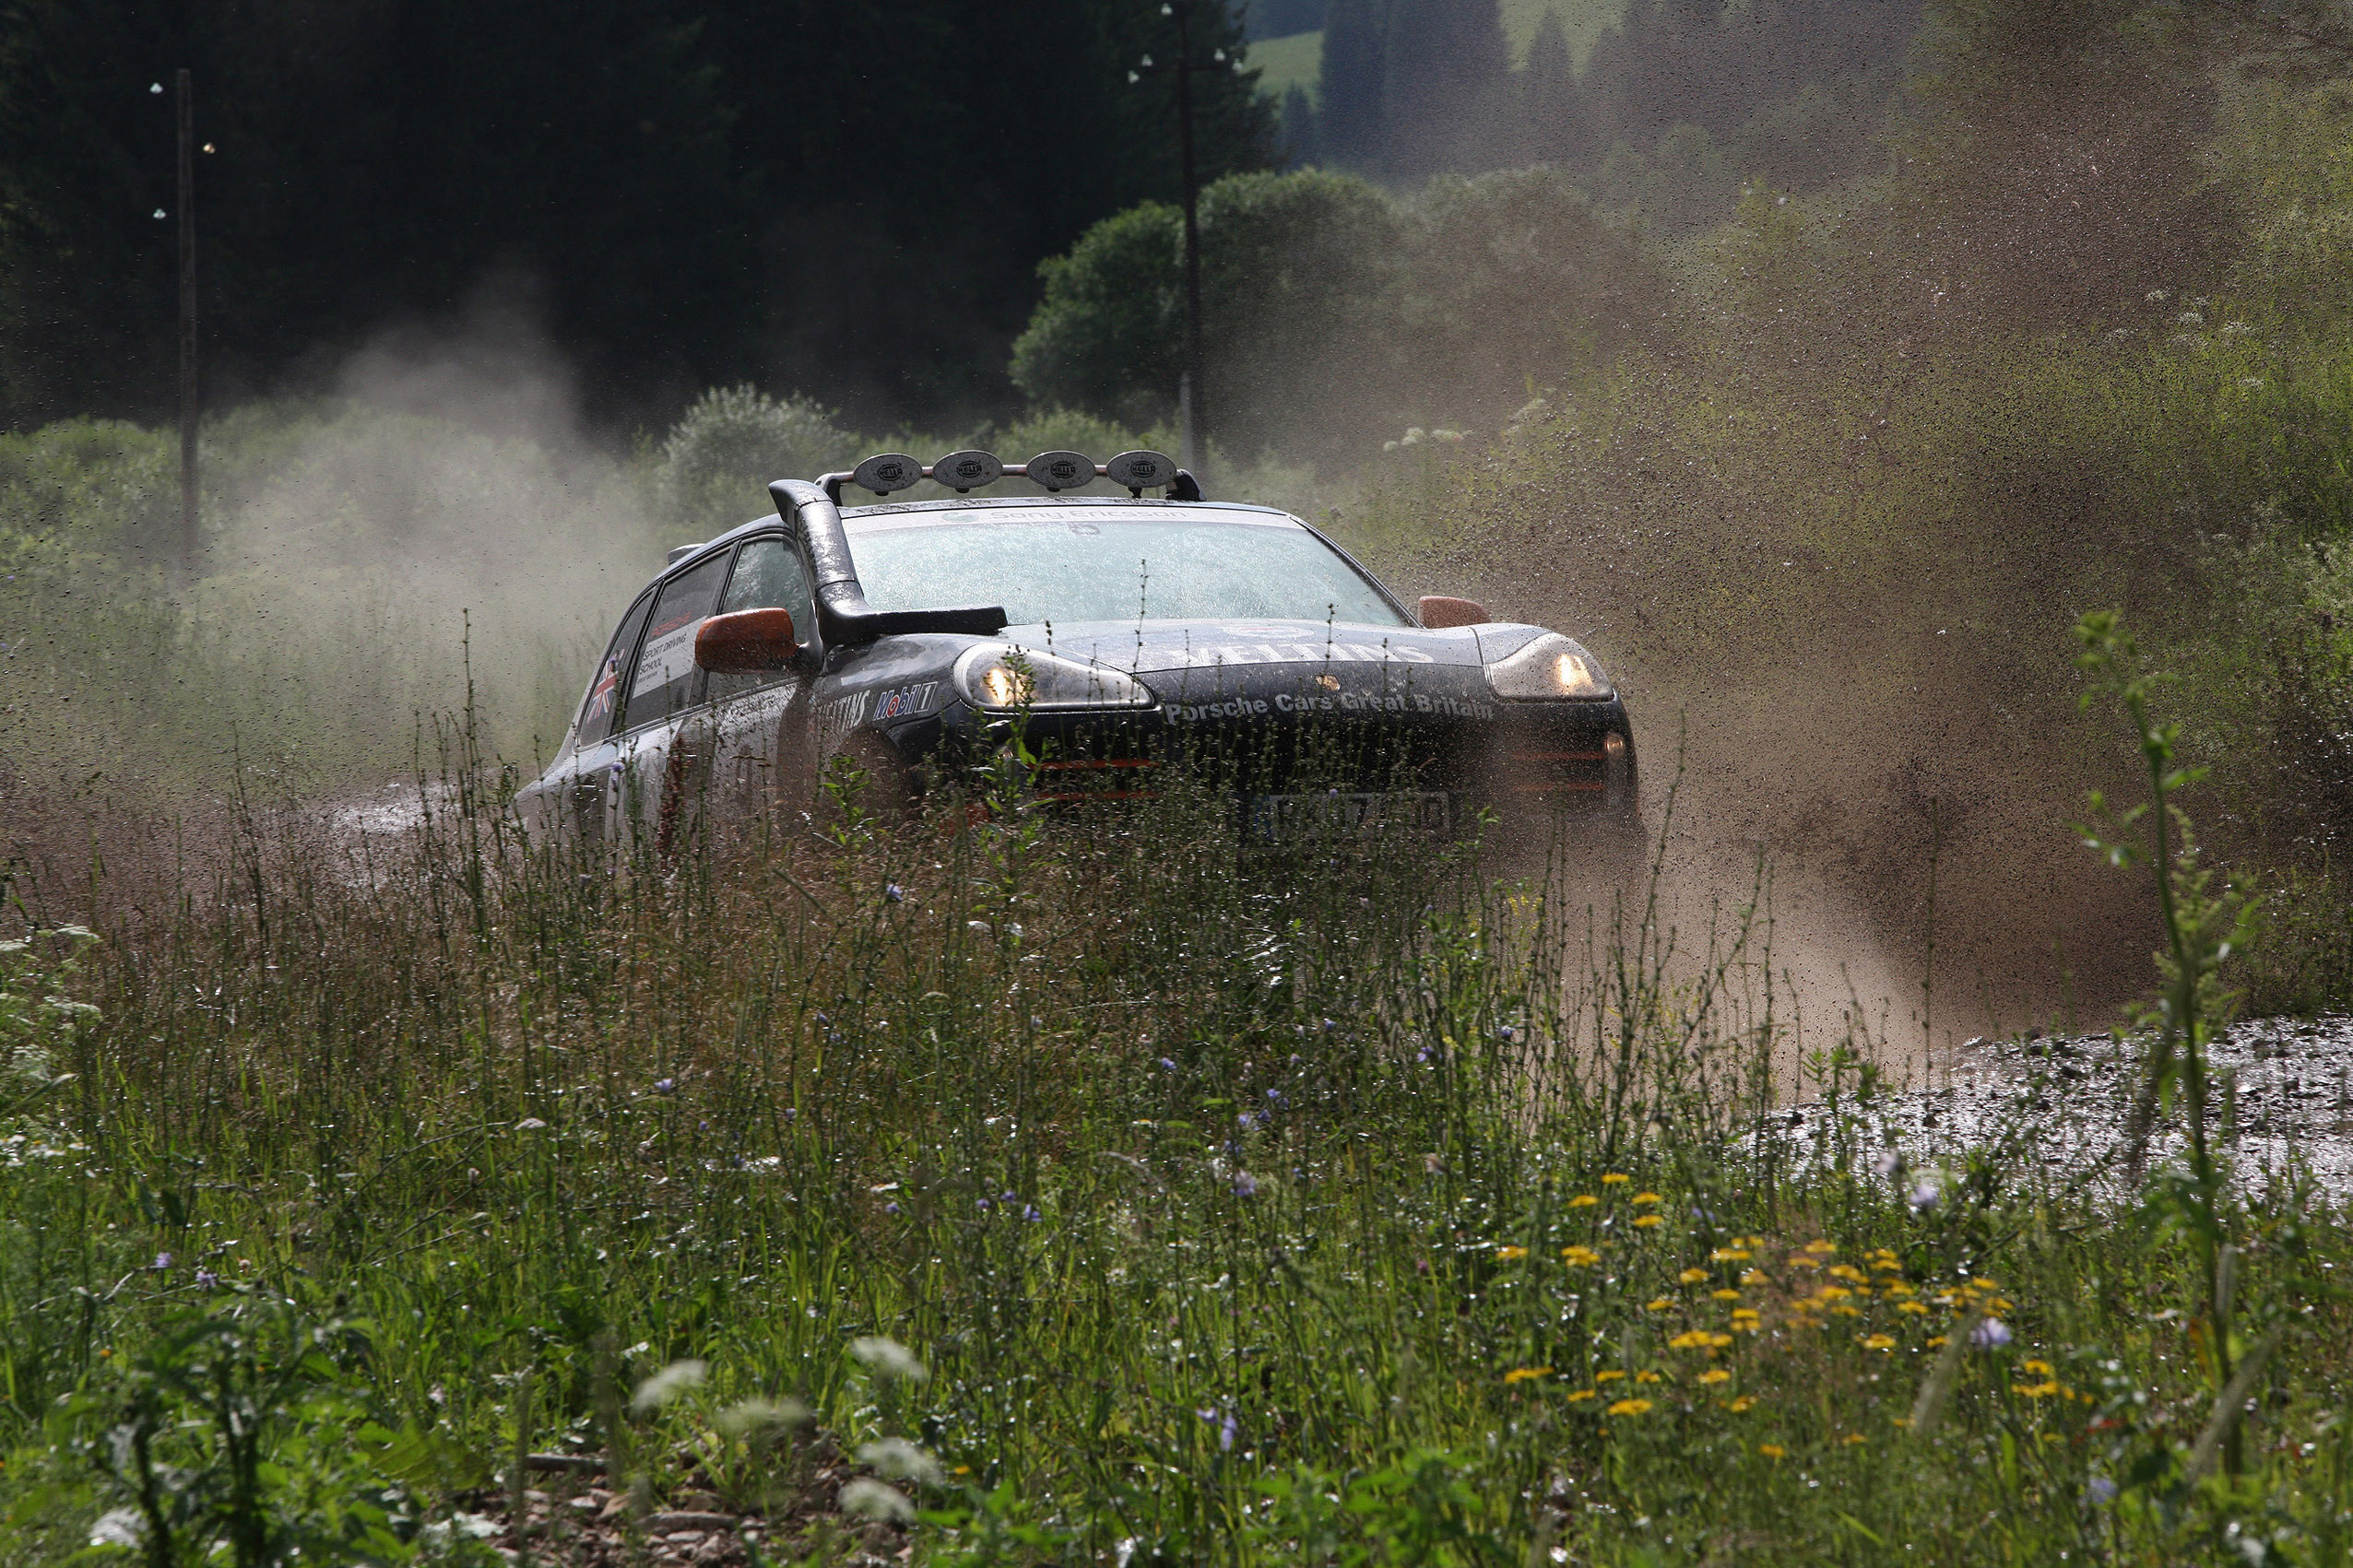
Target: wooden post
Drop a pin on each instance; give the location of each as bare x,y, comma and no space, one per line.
188,383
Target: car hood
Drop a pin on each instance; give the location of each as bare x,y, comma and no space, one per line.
1164,647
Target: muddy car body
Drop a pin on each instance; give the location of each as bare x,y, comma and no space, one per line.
1092,643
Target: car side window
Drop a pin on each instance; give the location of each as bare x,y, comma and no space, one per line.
665,679
768,575
603,704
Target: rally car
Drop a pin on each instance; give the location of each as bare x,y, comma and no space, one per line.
1097,647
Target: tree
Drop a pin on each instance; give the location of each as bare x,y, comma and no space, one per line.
1299,126
1552,117
1444,68
1350,121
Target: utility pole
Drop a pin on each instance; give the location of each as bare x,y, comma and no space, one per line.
188,384
1190,401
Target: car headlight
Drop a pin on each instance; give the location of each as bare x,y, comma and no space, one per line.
1000,678
1550,666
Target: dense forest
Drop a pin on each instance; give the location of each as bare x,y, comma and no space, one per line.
850,197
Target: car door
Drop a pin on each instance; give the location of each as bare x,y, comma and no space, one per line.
652,768
572,799
760,736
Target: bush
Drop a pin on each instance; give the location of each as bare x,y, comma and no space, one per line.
719,459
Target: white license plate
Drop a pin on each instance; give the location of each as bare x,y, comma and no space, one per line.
1282,817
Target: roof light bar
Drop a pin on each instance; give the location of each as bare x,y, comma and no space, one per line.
887,473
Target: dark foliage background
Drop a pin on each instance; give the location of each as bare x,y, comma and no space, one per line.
846,196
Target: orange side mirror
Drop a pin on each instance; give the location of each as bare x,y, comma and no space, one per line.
1439,611
747,641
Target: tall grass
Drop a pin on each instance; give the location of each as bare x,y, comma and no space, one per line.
1332,1206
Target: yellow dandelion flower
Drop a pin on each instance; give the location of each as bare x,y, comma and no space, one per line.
1915,1308
1806,1303
1849,1271
1894,1288
1799,1260
1644,1221
1888,1263
1772,1450
1630,1408
2001,1305
1845,1311
1580,1394
1724,1295
1731,1254
1880,1343
1658,1304
1695,1340
1745,1403
1984,1284
1616,1179
1718,1341
1648,1377
1646,1197
1607,1376
1753,1277
1832,1293
1853,1437
1715,1375
2035,1390
1691,1277
1822,1249
1525,1374
1510,1255
1580,1256
1583,1200
1934,1341
2033,1364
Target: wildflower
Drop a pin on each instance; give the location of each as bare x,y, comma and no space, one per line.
1657,1304
1630,1408
1936,1340
889,1358
1741,1406
871,1498
1772,1450
1894,1288
1730,1254
1511,1255
1167,1065
1642,1199
1753,1277
890,1208
1583,1200
1030,1213
1746,1321
1245,1185
1880,1343
2099,1489
1849,1271
1715,1375
1525,1374
666,1384
207,1278
1990,1335
1615,1178
900,1461
1724,1295
162,1261
529,1124
1821,1248
1917,1308
893,892
1799,1260
1647,1377
2035,1364
665,1085
1718,1341
1580,1256
1696,1340
2035,1390
1853,1437
1924,1196
1843,1310
1691,1276
1644,1221
1832,1293
1580,1394
1888,1163
1607,1376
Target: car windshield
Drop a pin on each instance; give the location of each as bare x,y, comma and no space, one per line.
1078,563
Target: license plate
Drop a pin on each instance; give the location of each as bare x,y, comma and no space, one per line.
1275,819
